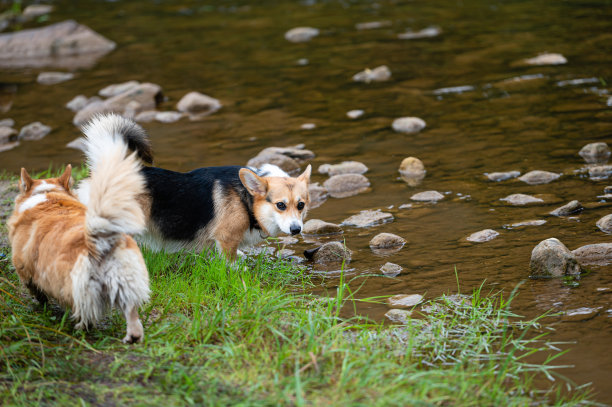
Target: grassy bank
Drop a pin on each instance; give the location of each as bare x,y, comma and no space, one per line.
245,334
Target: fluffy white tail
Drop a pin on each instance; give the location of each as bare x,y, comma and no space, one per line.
115,183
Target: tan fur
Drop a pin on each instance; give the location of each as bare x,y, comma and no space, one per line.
230,224
53,251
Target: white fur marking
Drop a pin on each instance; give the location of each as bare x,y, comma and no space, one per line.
32,202
44,187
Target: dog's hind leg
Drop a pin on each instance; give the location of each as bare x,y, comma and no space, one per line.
135,330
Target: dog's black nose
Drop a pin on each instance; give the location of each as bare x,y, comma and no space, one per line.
295,229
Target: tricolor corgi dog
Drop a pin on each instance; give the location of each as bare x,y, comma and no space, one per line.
83,255
227,207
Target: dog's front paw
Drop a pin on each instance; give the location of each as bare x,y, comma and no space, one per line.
130,339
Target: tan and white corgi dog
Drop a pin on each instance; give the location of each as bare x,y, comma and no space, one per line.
229,207
84,256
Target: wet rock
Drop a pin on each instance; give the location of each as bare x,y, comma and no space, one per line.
568,209
88,112
521,199
595,153
378,74
319,227
387,241
453,90
391,269
345,185
580,314
354,114
7,135
534,222
579,81
427,196
599,254
149,95
301,34
412,171
550,258
52,78
368,218
7,123
600,172
605,224
399,316
482,236
405,206
372,25
36,10
77,144
404,300
546,59
538,177
34,131
146,116
408,125
296,152
8,146
308,126
197,104
284,162
65,44
502,176
77,103
318,195
287,240
117,89
331,253
132,109
428,32
168,117
302,62
345,167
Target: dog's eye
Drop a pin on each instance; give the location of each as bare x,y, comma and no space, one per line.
281,206
301,206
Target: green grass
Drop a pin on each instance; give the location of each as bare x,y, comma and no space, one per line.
250,334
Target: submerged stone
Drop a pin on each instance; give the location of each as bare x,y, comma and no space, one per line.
399,316
600,172
404,300
391,269
332,252
482,236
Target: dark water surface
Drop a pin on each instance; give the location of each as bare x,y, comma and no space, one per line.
236,52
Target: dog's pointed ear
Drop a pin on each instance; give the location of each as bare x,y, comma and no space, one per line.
305,176
255,184
25,183
65,180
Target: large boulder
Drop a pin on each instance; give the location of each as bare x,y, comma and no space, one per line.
551,258
66,45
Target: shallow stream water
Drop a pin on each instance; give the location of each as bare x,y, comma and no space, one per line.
236,52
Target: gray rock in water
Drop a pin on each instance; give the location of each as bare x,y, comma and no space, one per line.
605,224
404,300
36,10
301,34
502,176
34,131
521,199
371,25
453,90
118,88
308,126
7,135
52,78
296,152
318,195
284,162
535,222
608,190
427,196
595,153
550,258
354,114
568,209
88,112
168,117
368,218
399,316
345,185
320,227
482,236
387,241
148,95
345,167
198,105
146,116
391,269
77,103
77,144
538,177
7,123
8,146
332,253
599,254
408,125
600,172
428,32
412,171
378,74
546,59
66,44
